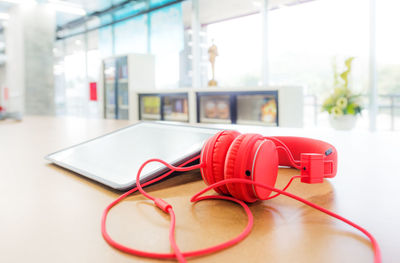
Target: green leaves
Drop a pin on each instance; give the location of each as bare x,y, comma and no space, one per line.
345,74
351,109
342,101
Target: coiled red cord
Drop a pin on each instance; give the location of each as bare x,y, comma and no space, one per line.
177,254
197,197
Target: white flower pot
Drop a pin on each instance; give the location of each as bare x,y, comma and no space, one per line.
343,122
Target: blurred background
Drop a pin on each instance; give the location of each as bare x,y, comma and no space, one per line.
150,59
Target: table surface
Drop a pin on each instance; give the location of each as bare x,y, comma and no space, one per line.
49,214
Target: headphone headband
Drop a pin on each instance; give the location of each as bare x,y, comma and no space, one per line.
317,159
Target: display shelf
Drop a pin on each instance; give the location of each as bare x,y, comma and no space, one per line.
260,108
266,106
169,106
176,118
228,106
149,116
210,120
259,123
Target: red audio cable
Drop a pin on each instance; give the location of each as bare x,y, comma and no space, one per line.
283,146
197,197
168,209
375,246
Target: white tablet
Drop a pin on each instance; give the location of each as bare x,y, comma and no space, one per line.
114,159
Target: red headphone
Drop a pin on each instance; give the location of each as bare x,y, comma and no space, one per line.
229,154
243,167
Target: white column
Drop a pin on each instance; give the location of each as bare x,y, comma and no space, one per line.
196,82
29,49
373,89
148,27
2,84
264,57
196,74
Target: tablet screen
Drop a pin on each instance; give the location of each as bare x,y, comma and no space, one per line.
114,159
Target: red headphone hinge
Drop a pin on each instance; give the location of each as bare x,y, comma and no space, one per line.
314,168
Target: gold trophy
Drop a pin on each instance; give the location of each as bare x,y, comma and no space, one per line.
212,54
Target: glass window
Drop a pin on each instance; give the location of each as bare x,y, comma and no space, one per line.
106,41
75,76
128,10
388,59
167,36
131,36
239,50
59,80
305,40
154,3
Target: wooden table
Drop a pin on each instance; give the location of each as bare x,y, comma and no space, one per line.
49,214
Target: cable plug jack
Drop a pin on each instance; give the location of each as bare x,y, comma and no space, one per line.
163,205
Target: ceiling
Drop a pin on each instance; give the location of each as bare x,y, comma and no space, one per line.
216,10
209,10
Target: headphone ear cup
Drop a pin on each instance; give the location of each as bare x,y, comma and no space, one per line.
230,162
265,167
213,155
238,165
254,158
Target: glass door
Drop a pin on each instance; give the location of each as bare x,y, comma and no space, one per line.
122,89
150,107
257,108
110,108
214,108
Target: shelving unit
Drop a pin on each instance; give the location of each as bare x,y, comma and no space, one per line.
164,106
243,107
121,76
129,80
267,106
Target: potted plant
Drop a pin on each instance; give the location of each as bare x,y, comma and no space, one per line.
342,105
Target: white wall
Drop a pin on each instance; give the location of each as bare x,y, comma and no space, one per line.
29,46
